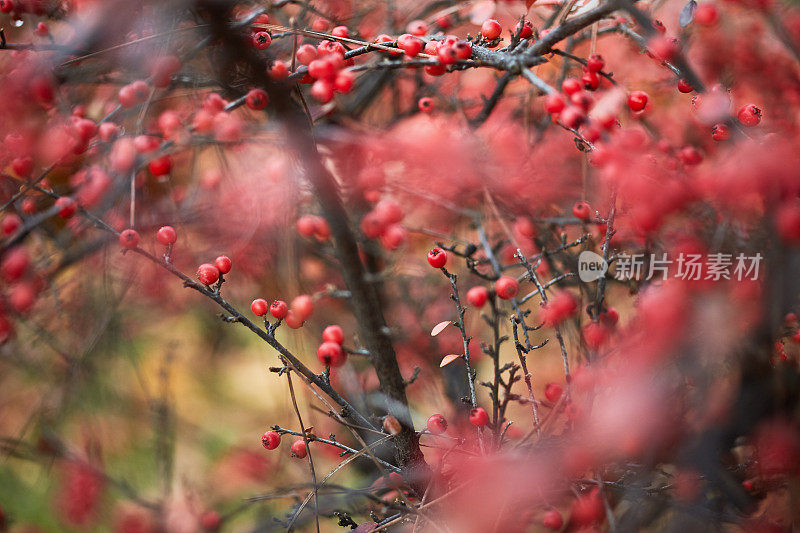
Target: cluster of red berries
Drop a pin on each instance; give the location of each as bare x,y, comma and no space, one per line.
326,69
383,222
447,51
570,108
272,439
23,287
313,226
294,315
209,274
330,353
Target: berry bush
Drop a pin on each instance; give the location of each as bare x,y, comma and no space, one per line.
510,266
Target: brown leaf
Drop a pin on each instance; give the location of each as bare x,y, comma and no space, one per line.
447,359
438,328
391,425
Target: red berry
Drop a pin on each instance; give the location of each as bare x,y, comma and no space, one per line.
320,25
66,207
167,235
663,48
582,100
425,104
299,449
29,206
478,296
552,520
748,485
22,166
293,320
410,45
163,69
582,210
333,333
750,115
435,70
344,81
207,273
684,86
303,307
437,424
223,264
478,417
22,297
463,49
210,521
437,258
160,166
523,226
526,30
331,354
506,287
340,31
306,225
108,131
10,224
129,239
259,307
610,317
133,93
306,54
332,48
446,54
322,91
279,309
552,391
322,69
262,40
279,70
554,103
257,99
571,86
595,63
15,263
270,439
572,117
689,156
417,27
720,132
6,6
706,14
637,100
394,237
491,29
595,335
590,80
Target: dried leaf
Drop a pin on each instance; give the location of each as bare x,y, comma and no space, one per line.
449,359
438,328
391,425
687,13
